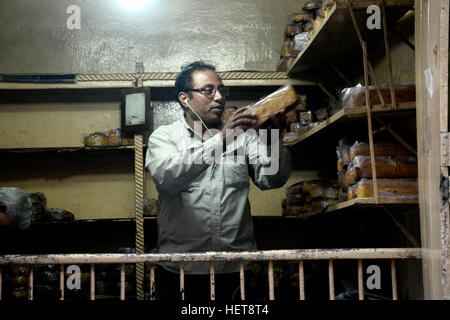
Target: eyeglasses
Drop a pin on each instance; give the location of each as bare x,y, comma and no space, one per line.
211,91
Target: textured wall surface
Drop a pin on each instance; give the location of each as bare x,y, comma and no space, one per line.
233,35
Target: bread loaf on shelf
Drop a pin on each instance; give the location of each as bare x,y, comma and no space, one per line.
386,167
356,96
387,188
380,149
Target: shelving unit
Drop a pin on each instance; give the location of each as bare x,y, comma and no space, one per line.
348,116
325,49
324,60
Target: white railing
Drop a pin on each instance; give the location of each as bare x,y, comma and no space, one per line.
358,255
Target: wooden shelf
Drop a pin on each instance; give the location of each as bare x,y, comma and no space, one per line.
67,149
347,115
160,80
360,203
336,42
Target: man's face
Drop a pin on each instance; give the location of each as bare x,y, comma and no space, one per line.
210,109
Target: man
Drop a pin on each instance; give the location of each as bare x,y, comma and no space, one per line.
203,196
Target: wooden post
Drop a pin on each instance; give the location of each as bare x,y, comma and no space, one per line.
388,54
213,287
242,280
61,282
331,279
271,282
394,280
369,126
31,283
92,282
152,282
182,280
122,281
301,279
360,280
431,42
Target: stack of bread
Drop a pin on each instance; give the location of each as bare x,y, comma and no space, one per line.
302,119
110,138
40,212
396,171
310,196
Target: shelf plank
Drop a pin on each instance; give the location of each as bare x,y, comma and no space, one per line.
359,203
326,46
66,149
78,85
347,114
162,80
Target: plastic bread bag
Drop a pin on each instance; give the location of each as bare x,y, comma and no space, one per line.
348,92
387,188
295,199
272,104
301,40
296,188
386,167
380,149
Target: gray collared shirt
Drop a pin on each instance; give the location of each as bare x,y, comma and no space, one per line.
203,205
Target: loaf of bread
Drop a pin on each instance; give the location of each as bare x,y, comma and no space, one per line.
114,137
291,116
342,195
340,168
295,200
387,188
387,167
281,99
293,29
356,96
380,149
127,141
296,188
284,63
321,114
314,206
96,139
306,117
302,16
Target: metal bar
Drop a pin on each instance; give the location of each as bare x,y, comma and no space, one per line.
337,102
301,279
92,282
1,283
61,282
405,41
348,83
369,125
182,280
403,229
31,283
355,24
122,281
388,54
152,282
375,82
242,280
396,136
360,280
212,280
300,254
271,286
331,279
394,280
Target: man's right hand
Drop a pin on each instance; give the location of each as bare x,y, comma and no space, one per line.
239,120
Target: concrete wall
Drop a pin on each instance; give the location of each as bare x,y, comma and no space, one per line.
233,35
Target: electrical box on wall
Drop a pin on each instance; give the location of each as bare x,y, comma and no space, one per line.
136,114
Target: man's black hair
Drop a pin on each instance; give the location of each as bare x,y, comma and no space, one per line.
184,81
